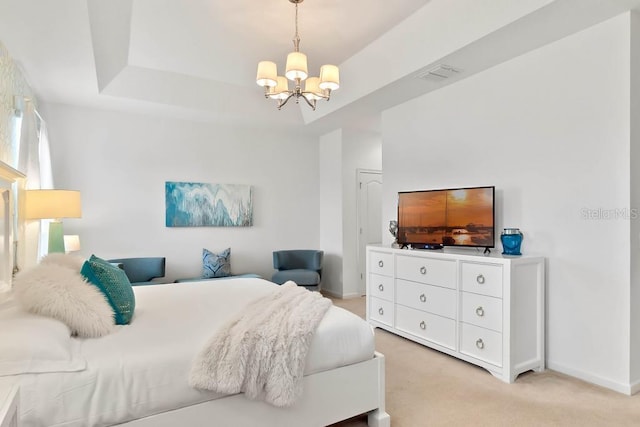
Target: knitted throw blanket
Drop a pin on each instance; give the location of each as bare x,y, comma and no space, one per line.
263,350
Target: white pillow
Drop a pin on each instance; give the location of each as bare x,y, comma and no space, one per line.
62,293
71,261
35,344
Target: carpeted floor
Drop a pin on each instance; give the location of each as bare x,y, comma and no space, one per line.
428,388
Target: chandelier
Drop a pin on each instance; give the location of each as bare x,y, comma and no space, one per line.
315,88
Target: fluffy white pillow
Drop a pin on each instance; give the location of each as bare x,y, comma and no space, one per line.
62,293
35,344
71,261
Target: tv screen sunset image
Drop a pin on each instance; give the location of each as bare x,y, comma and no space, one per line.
461,217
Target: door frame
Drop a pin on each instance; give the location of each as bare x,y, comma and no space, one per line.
361,273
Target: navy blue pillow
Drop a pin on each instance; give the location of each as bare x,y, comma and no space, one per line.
216,265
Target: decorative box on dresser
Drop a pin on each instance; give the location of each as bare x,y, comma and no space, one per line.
485,309
8,403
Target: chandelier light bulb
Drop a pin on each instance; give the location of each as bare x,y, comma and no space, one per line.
267,73
329,77
296,66
281,90
313,90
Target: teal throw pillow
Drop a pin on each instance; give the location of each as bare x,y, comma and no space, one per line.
216,265
114,284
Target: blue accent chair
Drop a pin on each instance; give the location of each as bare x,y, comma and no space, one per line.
303,266
142,271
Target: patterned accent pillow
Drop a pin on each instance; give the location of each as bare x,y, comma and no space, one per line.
114,284
216,265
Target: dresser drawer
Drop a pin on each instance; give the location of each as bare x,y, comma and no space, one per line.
484,279
381,263
481,343
381,287
381,310
437,329
481,310
434,299
427,270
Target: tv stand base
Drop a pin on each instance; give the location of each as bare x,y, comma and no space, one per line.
429,246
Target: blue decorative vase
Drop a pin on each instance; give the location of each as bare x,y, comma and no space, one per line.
511,239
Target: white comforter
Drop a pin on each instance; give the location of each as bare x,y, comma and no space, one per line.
142,369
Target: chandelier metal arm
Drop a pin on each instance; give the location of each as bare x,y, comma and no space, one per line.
326,96
282,102
311,104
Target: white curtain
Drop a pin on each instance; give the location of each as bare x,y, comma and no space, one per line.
46,174
35,161
46,181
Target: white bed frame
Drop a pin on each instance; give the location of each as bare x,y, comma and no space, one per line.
328,397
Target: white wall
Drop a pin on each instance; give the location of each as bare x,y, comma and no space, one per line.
330,160
635,202
360,150
342,153
120,163
550,129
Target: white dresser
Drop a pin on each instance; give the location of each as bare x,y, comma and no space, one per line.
484,309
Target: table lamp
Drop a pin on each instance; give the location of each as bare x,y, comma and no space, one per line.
54,205
71,243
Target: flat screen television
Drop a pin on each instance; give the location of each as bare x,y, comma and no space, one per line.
431,219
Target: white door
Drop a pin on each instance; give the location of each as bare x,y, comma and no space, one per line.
369,192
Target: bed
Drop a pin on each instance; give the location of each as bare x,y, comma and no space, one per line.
137,376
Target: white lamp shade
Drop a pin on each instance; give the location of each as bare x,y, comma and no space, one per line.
71,242
281,91
296,66
311,85
267,73
329,77
52,204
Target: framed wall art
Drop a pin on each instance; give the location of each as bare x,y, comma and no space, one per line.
194,204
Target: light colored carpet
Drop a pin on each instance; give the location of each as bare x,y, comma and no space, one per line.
428,388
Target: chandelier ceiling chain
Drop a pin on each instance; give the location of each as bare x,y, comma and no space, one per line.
277,87
296,37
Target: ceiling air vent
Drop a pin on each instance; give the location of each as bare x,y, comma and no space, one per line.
439,73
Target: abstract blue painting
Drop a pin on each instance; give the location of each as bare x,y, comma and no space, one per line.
192,204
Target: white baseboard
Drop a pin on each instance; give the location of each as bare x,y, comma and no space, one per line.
340,296
330,293
351,295
623,388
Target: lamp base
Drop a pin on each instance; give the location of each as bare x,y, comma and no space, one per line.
56,237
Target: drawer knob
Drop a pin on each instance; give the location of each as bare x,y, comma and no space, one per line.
480,343
423,270
380,311
480,279
423,325
423,298
380,264
381,287
480,311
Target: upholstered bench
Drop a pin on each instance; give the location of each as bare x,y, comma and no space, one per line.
237,276
142,271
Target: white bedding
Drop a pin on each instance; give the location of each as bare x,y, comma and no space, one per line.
142,369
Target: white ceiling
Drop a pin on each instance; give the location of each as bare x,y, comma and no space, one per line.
196,59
